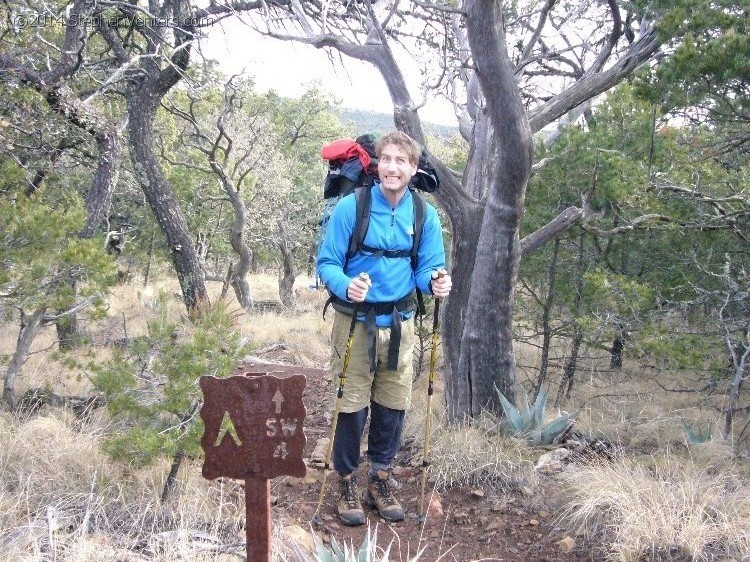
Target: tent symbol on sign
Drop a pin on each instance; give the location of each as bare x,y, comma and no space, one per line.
227,426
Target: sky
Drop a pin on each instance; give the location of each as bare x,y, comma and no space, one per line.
289,68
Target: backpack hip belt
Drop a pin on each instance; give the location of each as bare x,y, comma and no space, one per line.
371,312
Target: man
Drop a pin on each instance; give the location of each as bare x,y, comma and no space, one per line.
379,373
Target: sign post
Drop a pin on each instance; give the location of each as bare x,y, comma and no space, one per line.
253,432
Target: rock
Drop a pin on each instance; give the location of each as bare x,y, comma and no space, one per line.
477,493
302,538
460,516
534,522
552,460
310,478
496,525
566,544
544,513
21,538
435,505
403,472
321,450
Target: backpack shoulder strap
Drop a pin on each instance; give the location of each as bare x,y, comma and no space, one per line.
363,198
419,212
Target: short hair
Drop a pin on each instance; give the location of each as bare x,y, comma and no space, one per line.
404,142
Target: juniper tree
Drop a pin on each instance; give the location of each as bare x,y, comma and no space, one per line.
39,247
152,388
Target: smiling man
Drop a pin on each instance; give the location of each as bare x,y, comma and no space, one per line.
398,261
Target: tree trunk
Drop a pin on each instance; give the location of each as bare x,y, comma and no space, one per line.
733,392
142,101
30,327
615,352
97,200
150,257
486,210
486,362
68,330
174,470
239,270
286,270
568,374
546,313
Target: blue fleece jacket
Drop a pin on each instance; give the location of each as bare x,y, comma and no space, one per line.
389,229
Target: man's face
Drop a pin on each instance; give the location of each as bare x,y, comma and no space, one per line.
394,169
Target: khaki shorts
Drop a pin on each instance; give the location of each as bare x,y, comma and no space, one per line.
388,388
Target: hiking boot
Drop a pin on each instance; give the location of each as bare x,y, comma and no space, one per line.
350,510
379,496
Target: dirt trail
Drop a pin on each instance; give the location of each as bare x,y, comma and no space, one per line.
463,525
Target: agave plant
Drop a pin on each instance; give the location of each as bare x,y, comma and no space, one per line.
697,437
529,423
367,552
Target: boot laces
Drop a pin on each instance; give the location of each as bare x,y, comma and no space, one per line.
383,487
349,492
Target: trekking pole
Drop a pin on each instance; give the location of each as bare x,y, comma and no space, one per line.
430,390
316,520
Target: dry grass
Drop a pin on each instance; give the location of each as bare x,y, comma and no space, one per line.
633,406
667,507
60,497
131,307
466,455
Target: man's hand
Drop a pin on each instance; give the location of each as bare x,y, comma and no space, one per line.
440,284
358,287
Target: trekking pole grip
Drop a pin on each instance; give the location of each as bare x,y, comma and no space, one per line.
440,273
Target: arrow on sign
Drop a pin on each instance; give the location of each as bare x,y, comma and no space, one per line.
277,399
227,426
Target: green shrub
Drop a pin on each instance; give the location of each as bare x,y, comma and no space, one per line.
152,388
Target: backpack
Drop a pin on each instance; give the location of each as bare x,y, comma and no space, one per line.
353,164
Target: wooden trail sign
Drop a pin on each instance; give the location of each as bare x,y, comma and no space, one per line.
253,432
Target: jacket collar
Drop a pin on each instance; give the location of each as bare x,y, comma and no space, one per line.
382,198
